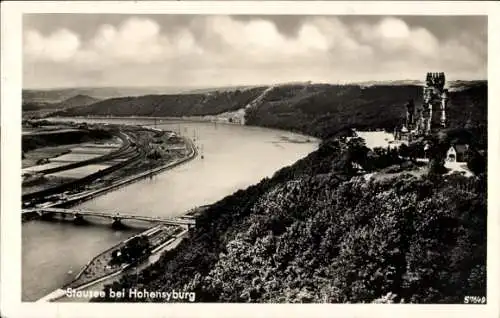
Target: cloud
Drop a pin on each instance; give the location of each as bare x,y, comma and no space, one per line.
61,45
225,50
137,40
260,42
393,36
392,28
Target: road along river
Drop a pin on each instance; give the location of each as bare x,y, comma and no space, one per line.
234,157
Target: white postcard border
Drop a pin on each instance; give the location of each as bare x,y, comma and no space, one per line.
11,63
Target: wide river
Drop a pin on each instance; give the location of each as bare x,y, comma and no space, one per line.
234,157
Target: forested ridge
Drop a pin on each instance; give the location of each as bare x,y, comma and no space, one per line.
169,105
318,232
321,110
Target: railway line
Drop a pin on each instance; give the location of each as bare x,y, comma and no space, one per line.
129,151
125,150
76,191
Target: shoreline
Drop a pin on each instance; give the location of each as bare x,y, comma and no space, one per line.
60,294
193,119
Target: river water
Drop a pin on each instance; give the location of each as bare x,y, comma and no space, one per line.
234,158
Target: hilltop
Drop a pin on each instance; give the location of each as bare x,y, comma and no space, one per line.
58,95
321,110
76,101
170,105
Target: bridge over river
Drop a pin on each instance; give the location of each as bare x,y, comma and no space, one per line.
78,215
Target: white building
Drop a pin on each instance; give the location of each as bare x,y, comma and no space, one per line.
456,153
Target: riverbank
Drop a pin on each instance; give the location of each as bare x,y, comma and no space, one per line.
197,119
80,293
102,266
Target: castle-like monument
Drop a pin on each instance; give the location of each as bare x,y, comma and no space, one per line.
434,96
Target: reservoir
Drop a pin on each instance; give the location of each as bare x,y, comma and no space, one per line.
234,157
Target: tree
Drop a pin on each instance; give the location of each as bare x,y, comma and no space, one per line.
357,152
136,248
404,151
437,154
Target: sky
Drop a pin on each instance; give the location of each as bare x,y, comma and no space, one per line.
96,50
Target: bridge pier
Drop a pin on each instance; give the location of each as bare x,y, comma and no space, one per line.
46,215
78,219
117,223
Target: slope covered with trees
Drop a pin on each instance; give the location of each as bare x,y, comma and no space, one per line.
170,105
321,110
75,101
316,232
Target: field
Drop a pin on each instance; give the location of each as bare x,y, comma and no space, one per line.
56,156
80,172
38,168
53,146
32,157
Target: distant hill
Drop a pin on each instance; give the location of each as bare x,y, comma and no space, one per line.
169,105
78,100
59,95
322,110
398,82
462,85
217,89
75,101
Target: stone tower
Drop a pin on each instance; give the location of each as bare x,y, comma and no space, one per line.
435,94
